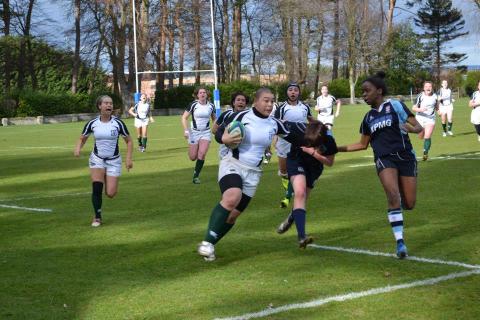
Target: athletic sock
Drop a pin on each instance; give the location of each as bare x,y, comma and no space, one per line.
139,139
144,142
426,145
300,217
224,230
97,189
198,168
395,217
477,128
444,126
450,125
216,226
285,182
289,192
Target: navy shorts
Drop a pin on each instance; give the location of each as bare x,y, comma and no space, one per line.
295,167
405,162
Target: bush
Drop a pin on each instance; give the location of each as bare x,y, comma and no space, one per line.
471,83
177,97
340,88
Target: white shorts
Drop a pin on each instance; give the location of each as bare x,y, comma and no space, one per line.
282,147
475,116
141,122
113,168
425,121
328,119
194,136
444,109
250,176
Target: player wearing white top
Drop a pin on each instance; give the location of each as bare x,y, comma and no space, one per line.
143,115
446,108
198,135
239,171
238,102
105,160
292,110
425,107
475,105
324,106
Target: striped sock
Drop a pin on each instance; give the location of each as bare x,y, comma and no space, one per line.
395,217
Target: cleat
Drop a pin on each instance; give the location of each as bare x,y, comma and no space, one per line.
450,133
96,222
142,149
285,225
302,244
401,250
206,250
196,180
444,134
284,203
425,157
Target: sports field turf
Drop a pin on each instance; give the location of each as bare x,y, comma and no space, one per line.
142,263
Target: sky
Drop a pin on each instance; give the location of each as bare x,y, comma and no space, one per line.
470,44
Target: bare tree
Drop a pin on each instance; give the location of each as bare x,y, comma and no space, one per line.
6,17
236,39
76,56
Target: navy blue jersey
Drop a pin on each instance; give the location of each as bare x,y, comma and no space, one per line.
384,126
296,137
224,115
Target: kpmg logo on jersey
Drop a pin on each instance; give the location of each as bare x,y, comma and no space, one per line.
114,133
380,123
387,109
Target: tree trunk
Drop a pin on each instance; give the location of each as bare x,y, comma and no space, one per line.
248,20
171,47
300,74
237,39
319,51
93,77
6,27
76,56
288,47
336,40
197,39
181,41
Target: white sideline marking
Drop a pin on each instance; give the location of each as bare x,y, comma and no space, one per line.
361,165
383,254
43,197
353,295
48,147
25,208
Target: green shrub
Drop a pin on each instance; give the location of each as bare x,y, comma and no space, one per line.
471,83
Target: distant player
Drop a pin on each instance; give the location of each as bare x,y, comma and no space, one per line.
198,135
143,115
325,104
385,127
475,105
446,108
238,102
240,169
425,107
105,160
292,110
312,148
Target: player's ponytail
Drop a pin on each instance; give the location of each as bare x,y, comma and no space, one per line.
315,134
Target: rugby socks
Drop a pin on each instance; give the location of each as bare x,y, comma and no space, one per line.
289,192
198,168
97,189
139,139
285,182
444,126
217,226
450,125
395,217
144,142
426,145
300,217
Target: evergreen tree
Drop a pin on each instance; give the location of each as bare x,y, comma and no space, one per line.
441,23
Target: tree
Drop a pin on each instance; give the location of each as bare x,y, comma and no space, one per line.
76,59
441,23
6,17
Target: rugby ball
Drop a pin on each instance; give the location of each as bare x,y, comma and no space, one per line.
235,128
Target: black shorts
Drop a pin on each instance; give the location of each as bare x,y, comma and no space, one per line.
295,167
405,162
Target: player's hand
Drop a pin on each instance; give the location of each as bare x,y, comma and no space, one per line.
309,150
129,164
152,120
186,133
76,153
337,114
231,139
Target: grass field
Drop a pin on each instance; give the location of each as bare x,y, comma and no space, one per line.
142,263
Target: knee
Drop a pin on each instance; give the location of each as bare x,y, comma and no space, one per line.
192,157
300,193
408,205
110,193
230,202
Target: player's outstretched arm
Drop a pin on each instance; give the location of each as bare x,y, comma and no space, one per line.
128,160
80,143
361,145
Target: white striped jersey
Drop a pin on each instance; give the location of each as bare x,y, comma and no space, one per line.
326,104
201,114
445,96
142,110
259,132
296,113
429,102
106,136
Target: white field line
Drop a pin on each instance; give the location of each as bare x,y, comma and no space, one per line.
466,157
391,255
361,165
25,208
44,197
352,295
